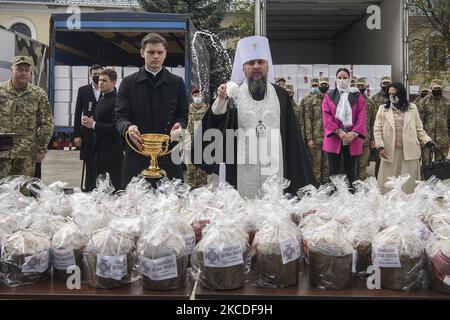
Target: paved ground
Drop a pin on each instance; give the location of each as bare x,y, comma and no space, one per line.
66,166
63,166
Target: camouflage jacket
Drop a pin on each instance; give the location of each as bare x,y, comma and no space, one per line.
301,114
379,99
299,117
313,118
195,114
371,112
26,112
436,118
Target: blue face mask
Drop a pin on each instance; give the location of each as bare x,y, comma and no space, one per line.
315,90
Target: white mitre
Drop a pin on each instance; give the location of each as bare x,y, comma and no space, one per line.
251,48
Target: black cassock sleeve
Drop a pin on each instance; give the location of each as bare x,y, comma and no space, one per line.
296,165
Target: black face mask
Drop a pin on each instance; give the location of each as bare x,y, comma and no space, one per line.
95,79
437,93
424,94
384,89
323,89
362,90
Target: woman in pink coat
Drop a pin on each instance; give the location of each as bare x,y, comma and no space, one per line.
344,123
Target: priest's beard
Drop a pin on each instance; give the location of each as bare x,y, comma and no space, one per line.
257,87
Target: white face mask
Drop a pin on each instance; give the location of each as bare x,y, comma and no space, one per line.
197,100
343,84
394,99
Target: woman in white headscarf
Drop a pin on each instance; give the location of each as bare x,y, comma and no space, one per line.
344,123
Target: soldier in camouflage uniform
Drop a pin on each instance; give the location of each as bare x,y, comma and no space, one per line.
296,107
314,131
436,118
304,102
381,98
196,177
363,160
423,92
25,110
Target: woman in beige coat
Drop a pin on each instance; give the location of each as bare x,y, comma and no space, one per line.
397,132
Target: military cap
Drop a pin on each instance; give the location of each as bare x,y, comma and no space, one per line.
314,81
437,84
289,88
424,87
386,79
362,81
323,80
22,59
280,79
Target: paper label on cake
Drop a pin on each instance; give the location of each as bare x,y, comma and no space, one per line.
62,259
189,239
159,269
354,259
386,256
227,255
441,265
290,250
111,267
37,263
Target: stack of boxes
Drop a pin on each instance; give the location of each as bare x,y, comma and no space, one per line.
69,78
300,75
80,77
63,95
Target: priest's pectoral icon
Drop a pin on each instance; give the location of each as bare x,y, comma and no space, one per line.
260,129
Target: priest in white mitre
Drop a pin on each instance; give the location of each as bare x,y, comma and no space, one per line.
259,133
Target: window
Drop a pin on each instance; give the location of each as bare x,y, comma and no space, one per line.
21,28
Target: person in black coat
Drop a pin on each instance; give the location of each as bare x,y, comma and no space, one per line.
151,100
107,149
87,99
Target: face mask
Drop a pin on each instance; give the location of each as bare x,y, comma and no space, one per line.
384,89
314,90
424,94
197,100
343,83
394,99
323,89
95,79
437,93
362,90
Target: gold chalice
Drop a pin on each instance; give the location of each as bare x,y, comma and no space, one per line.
154,145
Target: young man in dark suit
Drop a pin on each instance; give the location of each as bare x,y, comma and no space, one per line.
87,100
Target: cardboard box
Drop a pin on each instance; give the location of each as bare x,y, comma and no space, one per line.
77,83
129,70
383,71
63,84
289,70
277,70
364,71
80,72
320,70
61,114
178,71
62,72
63,96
